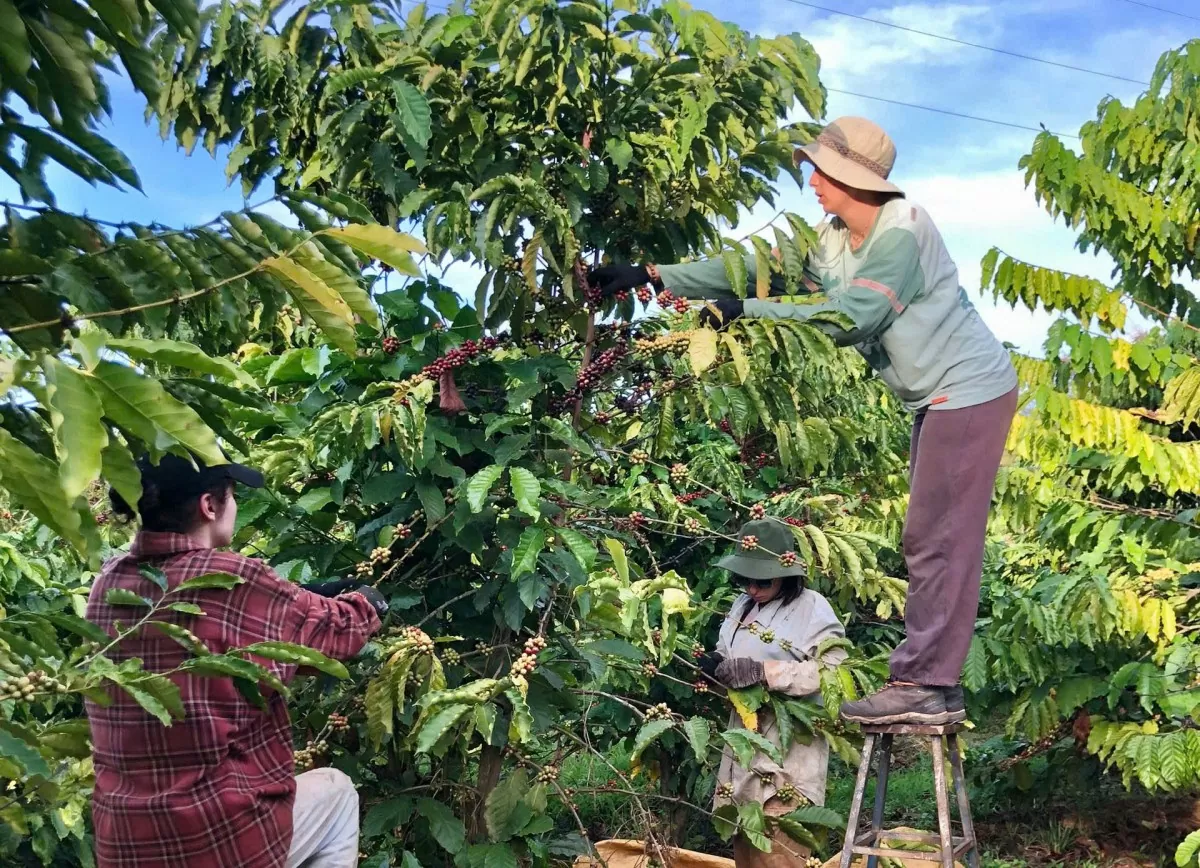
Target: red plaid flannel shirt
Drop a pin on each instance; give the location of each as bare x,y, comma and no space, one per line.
216,788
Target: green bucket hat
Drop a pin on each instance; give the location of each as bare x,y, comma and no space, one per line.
769,538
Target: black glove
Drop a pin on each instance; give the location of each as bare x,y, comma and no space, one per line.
331,589
709,662
727,310
611,279
374,598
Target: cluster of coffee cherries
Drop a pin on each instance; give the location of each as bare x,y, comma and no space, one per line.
661,711
749,542
307,755
787,559
759,461
527,662
364,569
547,775
338,722
649,670
25,687
691,496
700,685
420,639
669,342
667,299
758,512
644,294
725,791
639,456
380,555
592,375
391,345
451,657
726,426
459,356
790,795
795,522
813,862
692,525
638,519
679,472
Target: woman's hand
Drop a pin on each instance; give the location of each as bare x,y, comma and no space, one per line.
740,672
720,313
611,279
709,662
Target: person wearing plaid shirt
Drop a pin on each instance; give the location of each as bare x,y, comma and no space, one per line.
218,788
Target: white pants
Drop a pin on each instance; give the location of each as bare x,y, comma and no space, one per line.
324,821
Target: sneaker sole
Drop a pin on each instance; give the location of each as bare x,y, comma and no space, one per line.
943,718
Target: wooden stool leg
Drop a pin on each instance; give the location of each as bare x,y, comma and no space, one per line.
860,787
964,802
881,782
943,801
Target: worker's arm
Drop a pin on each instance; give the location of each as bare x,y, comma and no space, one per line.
338,627
707,278
883,288
802,677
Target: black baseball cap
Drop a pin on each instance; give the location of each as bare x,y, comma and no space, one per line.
177,479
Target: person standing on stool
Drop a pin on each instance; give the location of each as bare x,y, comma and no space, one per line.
771,637
881,262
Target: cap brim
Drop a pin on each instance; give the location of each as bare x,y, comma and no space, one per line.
758,568
843,170
247,476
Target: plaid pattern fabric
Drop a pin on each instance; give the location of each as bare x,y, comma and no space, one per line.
215,789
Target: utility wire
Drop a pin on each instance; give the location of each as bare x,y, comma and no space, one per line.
1161,9
950,113
957,41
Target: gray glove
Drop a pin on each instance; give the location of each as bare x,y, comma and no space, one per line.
375,598
740,672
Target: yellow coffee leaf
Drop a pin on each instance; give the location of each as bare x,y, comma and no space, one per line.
749,718
702,350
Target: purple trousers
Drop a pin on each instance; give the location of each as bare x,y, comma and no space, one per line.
953,463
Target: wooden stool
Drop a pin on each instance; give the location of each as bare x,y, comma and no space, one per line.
867,842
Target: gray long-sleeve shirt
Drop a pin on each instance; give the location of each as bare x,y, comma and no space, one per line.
913,322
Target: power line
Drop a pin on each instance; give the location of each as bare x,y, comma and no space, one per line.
942,36
953,114
1161,9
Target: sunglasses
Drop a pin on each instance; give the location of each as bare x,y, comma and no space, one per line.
761,584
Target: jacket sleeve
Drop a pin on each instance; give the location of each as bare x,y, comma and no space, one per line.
881,290
337,627
707,278
803,677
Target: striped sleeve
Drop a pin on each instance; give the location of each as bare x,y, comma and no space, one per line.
881,290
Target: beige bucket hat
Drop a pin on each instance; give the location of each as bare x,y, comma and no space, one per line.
854,151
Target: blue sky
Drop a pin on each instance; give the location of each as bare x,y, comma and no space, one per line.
964,172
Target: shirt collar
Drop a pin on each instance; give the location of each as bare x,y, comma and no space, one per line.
158,544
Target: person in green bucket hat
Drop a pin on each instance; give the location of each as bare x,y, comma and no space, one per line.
773,636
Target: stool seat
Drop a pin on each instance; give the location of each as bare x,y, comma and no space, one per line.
913,729
948,846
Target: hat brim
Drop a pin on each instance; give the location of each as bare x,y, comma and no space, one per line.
759,568
842,169
247,476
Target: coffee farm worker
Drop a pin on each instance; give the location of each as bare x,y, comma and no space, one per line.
217,788
775,635
882,264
